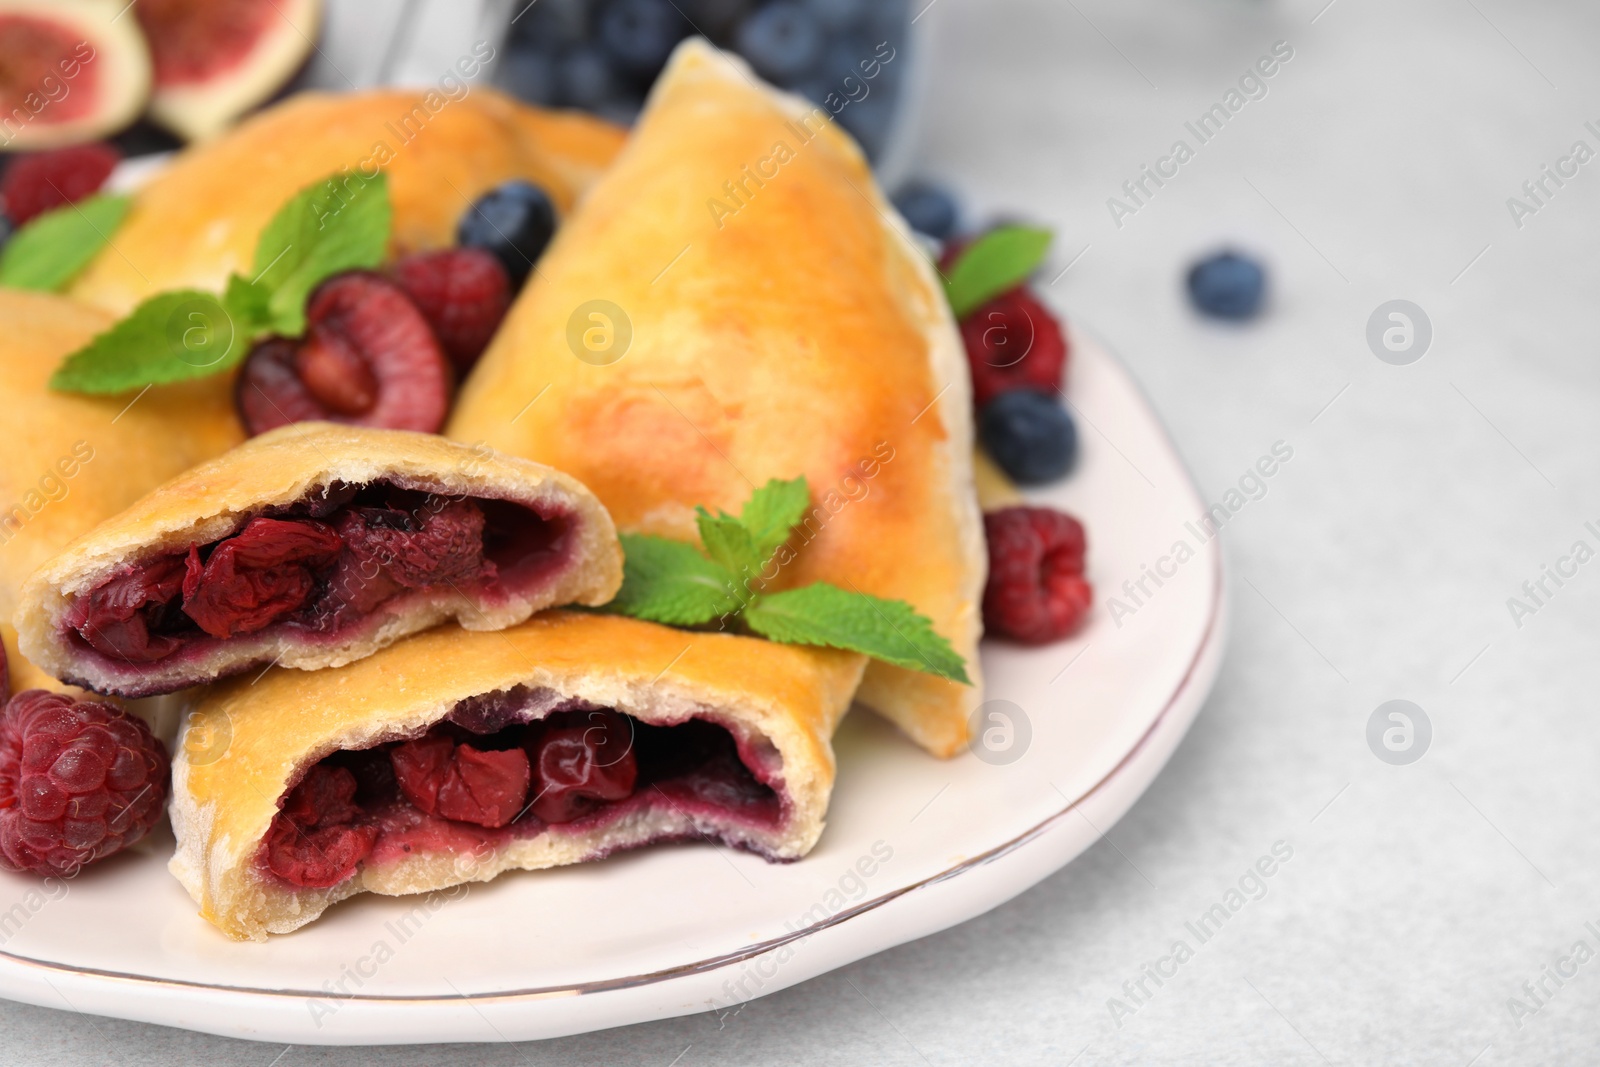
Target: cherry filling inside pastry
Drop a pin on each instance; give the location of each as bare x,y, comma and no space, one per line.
318,567
488,774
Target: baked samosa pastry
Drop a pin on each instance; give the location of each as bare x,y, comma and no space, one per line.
735,301
453,756
71,461
198,220
311,546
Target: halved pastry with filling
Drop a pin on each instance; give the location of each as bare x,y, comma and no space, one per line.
312,546
454,756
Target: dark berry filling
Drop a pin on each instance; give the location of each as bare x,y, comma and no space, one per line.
505,766
318,567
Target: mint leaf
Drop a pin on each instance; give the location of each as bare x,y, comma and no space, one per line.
772,512
247,303
890,630
671,582
998,261
728,543
171,337
51,249
338,224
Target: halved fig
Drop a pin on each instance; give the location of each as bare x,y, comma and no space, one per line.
70,71
217,59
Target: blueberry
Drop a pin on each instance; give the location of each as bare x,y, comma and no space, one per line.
514,220
640,34
1227,286
836,15
585,78
528,75
1030,435
715,18
887,23
845,59
816,89
929,208
6,230
550,24
782,41
869,121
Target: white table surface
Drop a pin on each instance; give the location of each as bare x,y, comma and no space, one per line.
1419,898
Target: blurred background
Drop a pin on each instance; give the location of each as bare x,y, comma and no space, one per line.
1380,164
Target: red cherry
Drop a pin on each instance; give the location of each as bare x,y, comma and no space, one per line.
585,760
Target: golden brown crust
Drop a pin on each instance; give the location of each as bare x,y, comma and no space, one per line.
287,466
199,219
71,461
22,674
795,329
248,742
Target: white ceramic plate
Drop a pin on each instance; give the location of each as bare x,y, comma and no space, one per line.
913,844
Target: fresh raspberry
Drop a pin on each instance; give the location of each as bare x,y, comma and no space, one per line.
1013,342
1037,592
33,184
369,358
313,840
79,780
463,293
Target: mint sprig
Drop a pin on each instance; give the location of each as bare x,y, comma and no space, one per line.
1000,260
50,250
672,582
890,630
170,337
328,227
323,230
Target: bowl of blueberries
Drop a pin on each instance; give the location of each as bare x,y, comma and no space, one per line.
857,58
